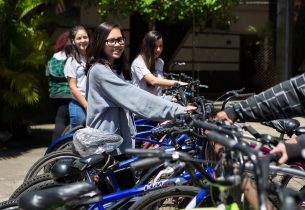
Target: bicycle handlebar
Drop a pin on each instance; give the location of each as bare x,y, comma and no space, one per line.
160,156
146,163
274,157
221,139
235,91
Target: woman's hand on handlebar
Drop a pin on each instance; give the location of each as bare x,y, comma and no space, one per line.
174,99
190,109
281,148
223,116
182,83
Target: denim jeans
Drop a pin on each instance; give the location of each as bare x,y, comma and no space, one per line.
77,114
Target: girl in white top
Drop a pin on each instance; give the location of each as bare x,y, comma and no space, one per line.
74,71
147,68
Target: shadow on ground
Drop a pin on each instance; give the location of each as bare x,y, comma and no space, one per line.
19,145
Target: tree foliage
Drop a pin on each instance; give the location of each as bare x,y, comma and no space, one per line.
24,41
23,48
171,10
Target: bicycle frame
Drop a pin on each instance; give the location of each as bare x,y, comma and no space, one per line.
140,123
107,200
126,164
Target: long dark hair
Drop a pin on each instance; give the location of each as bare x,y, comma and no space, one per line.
96,53
147,49
73,49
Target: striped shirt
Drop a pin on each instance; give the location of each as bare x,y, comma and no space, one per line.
285,100
58,85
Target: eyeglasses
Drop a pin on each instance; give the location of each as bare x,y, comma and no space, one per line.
113,41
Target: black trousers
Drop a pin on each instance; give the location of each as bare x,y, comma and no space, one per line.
61,107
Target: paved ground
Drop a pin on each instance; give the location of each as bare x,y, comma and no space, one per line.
17,157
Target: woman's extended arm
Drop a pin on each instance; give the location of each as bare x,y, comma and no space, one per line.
155,81
124,95
285,100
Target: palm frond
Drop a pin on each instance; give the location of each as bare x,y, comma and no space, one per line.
23,88
28,5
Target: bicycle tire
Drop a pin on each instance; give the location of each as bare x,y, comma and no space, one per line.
9,205
66,144
154,198
33,185
45,162
66,130
29,183
70,130
294,183
289,181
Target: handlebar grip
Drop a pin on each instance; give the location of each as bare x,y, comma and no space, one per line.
234,92
299,131
221,139
274,157
184,76
146,163
246,95
206,125
170,74
203,86
142,152
252,131
231,180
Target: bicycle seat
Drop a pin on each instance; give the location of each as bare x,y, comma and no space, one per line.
93,159
99,161
88,141
65,172
299,131
283,126
55,197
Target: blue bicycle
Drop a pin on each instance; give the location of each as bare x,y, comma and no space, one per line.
65,141
182,140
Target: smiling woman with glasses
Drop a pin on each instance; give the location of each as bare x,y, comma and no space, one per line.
111,100
111,42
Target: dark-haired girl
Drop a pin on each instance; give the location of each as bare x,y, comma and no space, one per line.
110,99
147,68
74,71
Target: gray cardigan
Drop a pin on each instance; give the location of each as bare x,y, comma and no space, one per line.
111,101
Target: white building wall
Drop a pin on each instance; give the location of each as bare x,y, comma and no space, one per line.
212,52
220,51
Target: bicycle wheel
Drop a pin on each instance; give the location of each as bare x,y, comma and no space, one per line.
177,197
37,183
9,205
294,183
44,164
66,130
70,130
66,144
